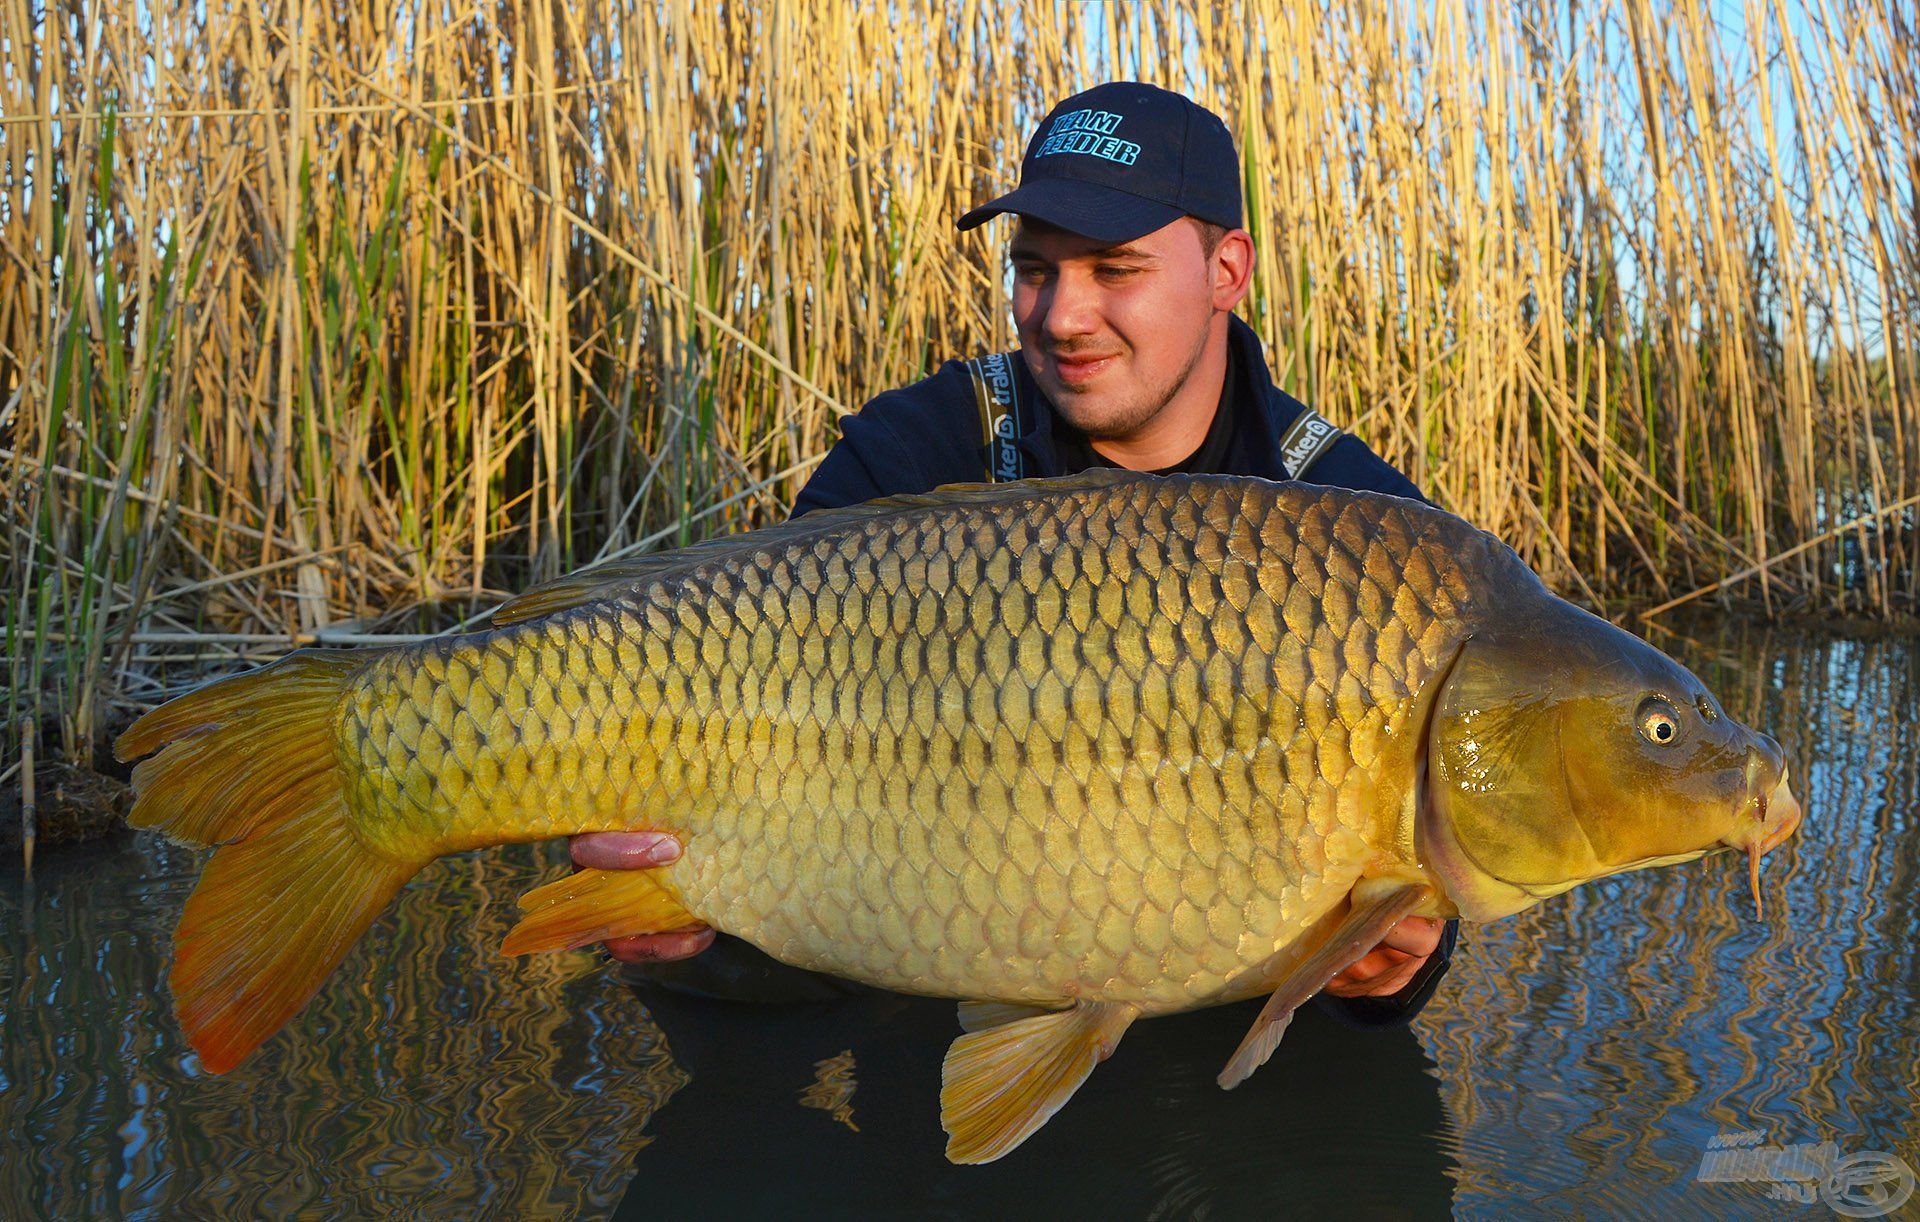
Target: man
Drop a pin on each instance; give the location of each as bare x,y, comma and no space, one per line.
1129,257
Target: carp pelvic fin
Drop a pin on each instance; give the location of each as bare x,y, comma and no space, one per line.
1000,1085
594,905
249,764
1358,933
981,1015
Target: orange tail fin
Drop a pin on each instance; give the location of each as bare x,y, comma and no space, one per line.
249,764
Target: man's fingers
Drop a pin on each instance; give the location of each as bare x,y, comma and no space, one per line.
660,947
1380,974
1392,965
1416,936
639,851
623,850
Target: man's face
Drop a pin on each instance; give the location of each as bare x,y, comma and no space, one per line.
1111,332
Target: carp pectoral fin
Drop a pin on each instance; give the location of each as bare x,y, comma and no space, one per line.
593,905
1364,925
980,1015
999,1085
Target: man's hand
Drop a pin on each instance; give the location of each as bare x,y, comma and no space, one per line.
1390,966
639,851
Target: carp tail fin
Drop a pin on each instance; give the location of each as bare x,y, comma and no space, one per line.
249,764
241,753
593,905
273,916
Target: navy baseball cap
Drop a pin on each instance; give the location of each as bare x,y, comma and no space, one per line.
1122,160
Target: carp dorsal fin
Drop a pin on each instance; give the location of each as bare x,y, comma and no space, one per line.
999,1085
1367,921
620,576
591,906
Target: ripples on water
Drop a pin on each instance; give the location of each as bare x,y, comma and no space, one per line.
429,1072
1578,1060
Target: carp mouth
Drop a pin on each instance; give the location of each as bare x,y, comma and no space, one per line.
1767,818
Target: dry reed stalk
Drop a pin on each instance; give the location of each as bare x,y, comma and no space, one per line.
348,316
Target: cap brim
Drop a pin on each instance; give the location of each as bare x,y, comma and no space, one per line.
1088,209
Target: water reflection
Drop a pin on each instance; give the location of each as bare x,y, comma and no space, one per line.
1579,1060
429,1073
1339,1120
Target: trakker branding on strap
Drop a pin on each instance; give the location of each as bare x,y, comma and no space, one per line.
1310,436
997,394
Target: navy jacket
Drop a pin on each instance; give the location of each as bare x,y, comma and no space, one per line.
921,436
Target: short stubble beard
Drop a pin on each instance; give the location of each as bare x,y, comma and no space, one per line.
1129,418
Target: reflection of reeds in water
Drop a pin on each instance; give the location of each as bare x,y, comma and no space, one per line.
429,1070
832,1088
1610,1033
362,310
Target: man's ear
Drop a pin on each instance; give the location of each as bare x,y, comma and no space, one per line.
1232,269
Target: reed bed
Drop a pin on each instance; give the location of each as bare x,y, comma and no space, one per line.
332,322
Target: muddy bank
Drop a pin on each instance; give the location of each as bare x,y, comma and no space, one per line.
70,805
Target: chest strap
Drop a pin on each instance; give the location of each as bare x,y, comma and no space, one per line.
1306,439
1003,420
996,395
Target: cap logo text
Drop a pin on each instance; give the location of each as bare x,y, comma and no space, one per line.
1089,133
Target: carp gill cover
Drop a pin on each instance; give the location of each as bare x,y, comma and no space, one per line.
1074,752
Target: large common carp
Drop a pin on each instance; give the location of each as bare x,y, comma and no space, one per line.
1074,751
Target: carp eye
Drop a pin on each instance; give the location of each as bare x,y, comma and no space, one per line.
1659,721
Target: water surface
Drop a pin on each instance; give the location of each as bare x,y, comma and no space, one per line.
1580,1058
